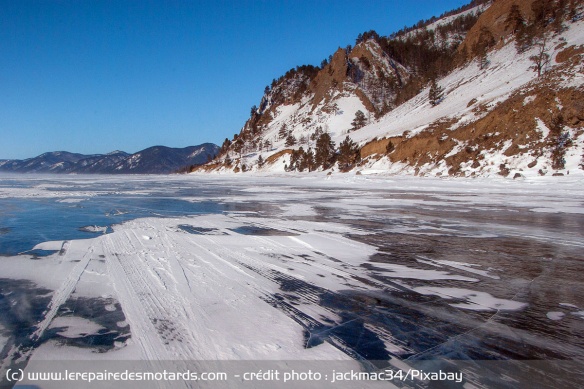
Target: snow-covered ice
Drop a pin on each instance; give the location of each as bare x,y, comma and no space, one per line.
339,267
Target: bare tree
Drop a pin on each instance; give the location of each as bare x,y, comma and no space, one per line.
483,60
542,58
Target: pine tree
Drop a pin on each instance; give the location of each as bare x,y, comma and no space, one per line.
301,164
514,19
389,148
317,133
238,145
436,93
359,121
267,145
283,131
295,159
335,108
290,140
225,146
348,154
541,13
260,161
484,43
559,14
561,140
524,37
309,160
257,143
325,151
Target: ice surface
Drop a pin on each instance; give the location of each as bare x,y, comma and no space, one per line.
370,267
75,327
3,341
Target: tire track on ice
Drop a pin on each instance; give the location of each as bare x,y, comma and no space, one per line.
334,266
137,304
132,306
63,293
163,335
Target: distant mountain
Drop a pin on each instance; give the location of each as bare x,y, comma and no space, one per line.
153,160
100,163
160,159
55,161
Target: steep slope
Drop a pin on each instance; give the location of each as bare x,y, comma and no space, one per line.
353,87
309,100
500,119
497,115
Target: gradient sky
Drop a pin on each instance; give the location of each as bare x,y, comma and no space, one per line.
96,76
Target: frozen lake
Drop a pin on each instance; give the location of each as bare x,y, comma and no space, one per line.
390,270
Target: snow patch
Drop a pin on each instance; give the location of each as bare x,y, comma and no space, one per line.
555,315
476,301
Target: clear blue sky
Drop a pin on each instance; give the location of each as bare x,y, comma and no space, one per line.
94,76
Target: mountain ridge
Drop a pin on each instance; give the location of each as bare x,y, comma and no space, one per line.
152,160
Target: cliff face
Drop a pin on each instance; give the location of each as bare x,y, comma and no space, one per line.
502,111
378,77
330,79
494,20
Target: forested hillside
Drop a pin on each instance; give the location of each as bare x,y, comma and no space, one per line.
493,88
